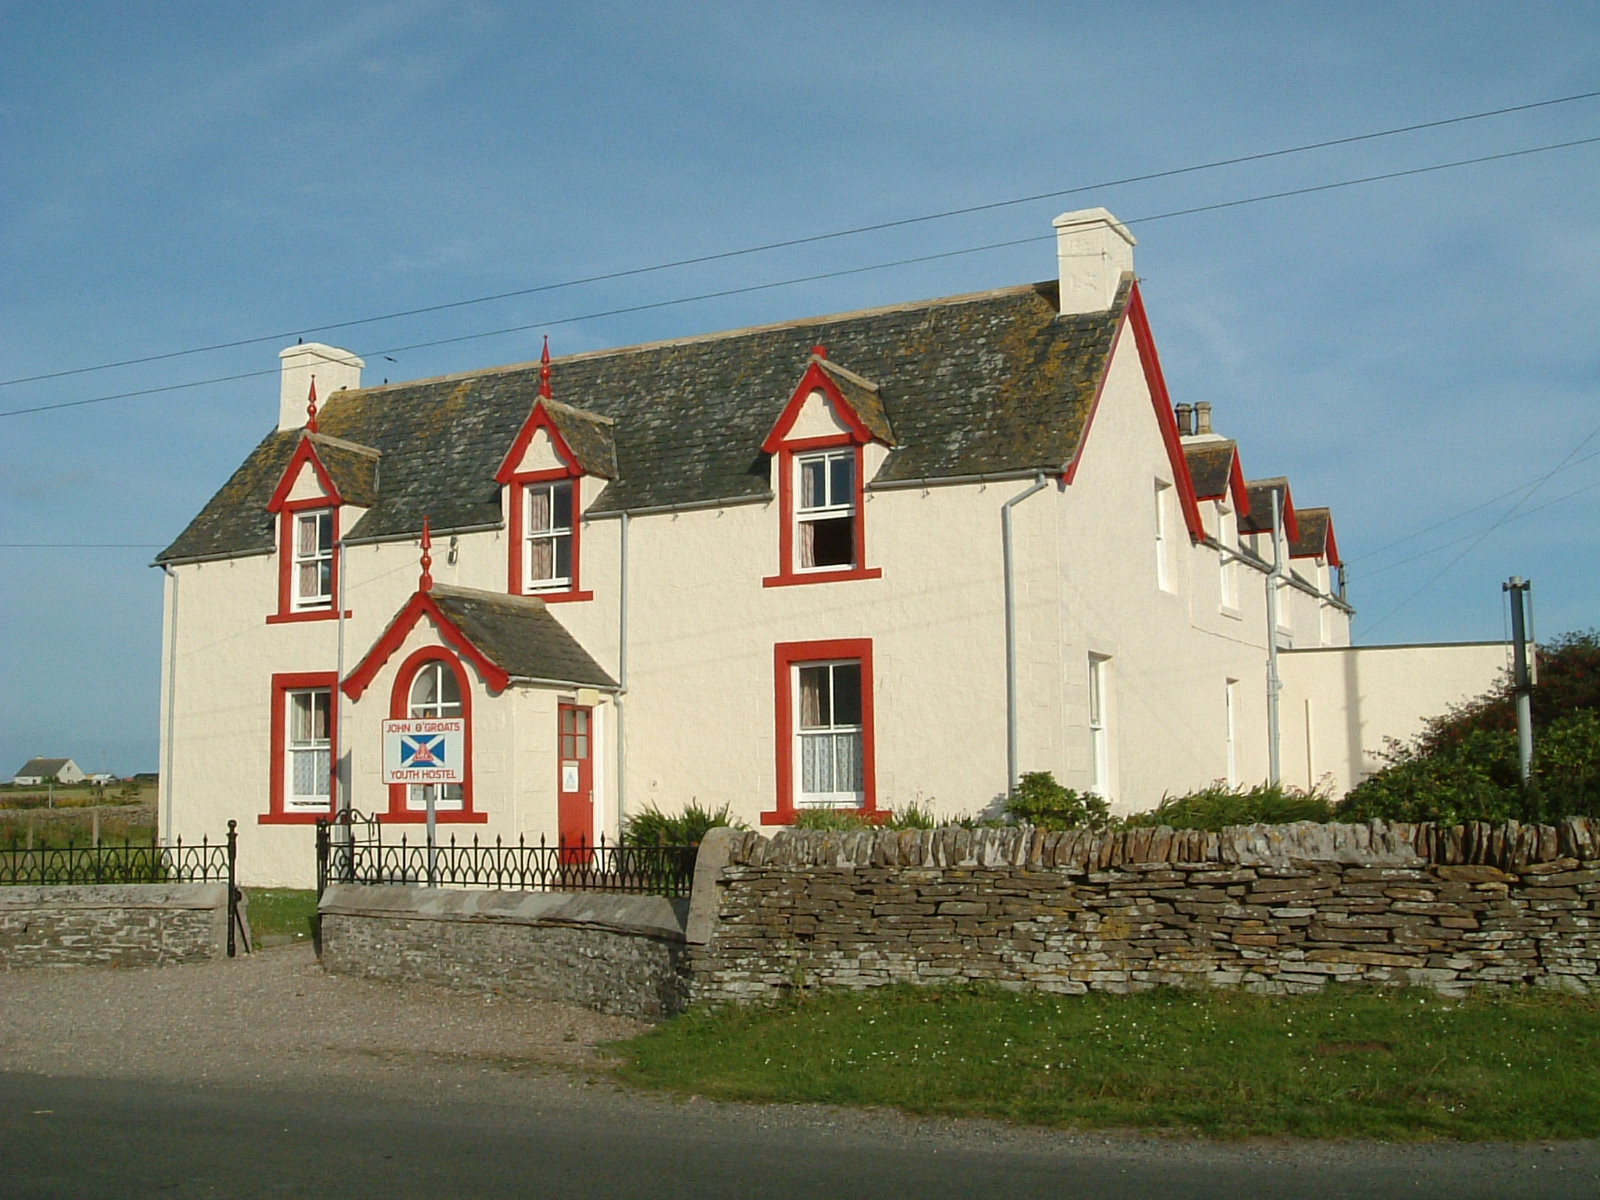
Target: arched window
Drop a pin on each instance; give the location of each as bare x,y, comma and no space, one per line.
432,684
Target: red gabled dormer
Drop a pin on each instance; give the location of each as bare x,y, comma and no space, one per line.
324,480
555,450
818,443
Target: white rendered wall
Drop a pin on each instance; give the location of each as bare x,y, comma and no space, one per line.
1340,705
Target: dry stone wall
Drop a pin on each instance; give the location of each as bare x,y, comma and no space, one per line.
1266,908
614,954
120,925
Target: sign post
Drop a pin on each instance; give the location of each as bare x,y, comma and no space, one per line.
427,752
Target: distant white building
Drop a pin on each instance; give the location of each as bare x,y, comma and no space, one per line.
862,561
46,770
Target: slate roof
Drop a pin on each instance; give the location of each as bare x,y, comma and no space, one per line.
863,396
1259,519
518,634
996,382
1315,524
353,468
1210,467
591,437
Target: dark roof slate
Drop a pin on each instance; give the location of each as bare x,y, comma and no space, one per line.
591,437
1313,539
353,468
862,396
972,385
519,635
1210,467
1259,519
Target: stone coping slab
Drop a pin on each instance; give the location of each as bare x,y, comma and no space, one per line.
650,916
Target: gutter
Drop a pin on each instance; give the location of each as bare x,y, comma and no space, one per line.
1011,626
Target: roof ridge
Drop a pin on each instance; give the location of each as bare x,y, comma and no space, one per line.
700,338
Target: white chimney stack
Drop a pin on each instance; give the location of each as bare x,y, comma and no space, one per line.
1093,249
334,369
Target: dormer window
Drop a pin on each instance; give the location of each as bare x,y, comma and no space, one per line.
825,518
819,447
313,560
548,536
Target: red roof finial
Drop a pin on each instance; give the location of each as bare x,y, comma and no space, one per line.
425,583
544,371
819,351
311,407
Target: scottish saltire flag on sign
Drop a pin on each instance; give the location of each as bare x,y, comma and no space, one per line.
424,750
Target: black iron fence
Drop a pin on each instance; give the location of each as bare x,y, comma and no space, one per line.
351,849
204,861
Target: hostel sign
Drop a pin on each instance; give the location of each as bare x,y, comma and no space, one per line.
425,750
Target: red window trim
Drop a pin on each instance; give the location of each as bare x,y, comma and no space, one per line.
516,582
288,512
785,657
788,575
282,685
399,709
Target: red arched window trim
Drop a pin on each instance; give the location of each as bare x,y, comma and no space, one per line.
400,708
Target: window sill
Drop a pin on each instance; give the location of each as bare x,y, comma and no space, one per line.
1228,610
558,597
293,818
314,614
453,816
794,578
870,816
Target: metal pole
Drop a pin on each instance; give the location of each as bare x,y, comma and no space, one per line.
1009,570
1520,680
1274,683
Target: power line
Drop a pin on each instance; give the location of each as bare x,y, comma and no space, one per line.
825,275
1477,541
80,545
787,243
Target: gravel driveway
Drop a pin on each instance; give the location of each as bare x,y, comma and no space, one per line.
276,1016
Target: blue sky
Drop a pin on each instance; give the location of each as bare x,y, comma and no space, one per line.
1419,353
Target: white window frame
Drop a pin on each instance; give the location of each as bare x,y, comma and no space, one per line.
832,507
1163,493
832,730
447,797
300,743
1227,563
320,520
1099,679
555,534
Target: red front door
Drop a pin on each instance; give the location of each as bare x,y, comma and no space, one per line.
575,783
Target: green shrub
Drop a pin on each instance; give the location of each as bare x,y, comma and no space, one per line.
1220,805
1475,777
652,827
1039,800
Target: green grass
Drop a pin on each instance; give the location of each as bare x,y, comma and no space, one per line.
1396,1065
282,912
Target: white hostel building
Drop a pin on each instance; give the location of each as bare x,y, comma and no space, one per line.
860,561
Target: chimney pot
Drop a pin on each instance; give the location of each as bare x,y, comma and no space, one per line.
1202,412
1185,420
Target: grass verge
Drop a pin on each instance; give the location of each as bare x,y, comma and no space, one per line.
1395,1065
282,913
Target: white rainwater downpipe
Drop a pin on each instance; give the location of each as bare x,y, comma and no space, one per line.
622,678
1011,627
172,688
340,767
1274,683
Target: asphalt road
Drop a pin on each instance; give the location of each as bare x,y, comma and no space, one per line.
557,1136
266,1077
